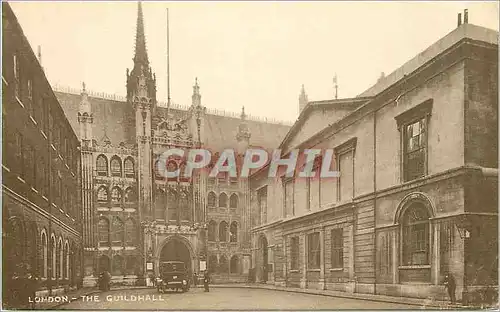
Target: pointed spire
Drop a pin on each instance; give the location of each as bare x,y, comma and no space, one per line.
335,85
243,115
141,54
84,103
196,97
303,100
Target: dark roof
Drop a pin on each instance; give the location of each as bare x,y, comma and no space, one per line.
116,120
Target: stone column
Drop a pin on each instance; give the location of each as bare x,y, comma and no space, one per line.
395,256
303,279
285,259
322,259
435,253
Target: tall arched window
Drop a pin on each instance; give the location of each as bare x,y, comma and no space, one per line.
223,231
117,265
160,205
223,200
102,194
212,231
102,165
44,255
131,265
213,264
118,231
184,206
415,241
129,167
233,265
172,205
66,260
59,258
53,258
233,232
116,166
32,245
116,196
130,232
130,196
159,171
103,226
212,199
223,265
233,201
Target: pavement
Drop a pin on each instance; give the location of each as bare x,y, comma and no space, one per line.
415,302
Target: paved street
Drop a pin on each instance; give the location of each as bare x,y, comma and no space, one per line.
224,298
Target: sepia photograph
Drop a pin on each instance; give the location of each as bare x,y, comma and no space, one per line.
250,155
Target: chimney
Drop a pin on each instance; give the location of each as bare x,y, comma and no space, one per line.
466,16
459,19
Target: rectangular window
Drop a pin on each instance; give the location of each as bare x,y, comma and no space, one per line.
337,241
16,69
19,160
313,251
346,180
262,201
29,165
415,145
289,194
294,253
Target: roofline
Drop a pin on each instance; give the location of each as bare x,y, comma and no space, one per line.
313,105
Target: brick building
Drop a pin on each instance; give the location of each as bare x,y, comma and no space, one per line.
417,195
133,217
40,173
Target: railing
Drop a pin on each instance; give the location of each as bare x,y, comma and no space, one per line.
212,111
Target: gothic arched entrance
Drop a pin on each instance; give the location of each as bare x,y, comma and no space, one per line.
263,247
177,250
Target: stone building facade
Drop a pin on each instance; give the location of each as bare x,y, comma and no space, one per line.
417,192
134,218
40,174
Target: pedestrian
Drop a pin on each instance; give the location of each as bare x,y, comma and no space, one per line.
206,281
108,280
450,285
195,279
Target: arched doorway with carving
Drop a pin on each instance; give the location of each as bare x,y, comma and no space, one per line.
176,248
263,245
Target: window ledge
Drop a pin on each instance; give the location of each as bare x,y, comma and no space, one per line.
5,81
413,267
313,270
43,134
294,271
336,269
6,169
19,102
33,120
21,179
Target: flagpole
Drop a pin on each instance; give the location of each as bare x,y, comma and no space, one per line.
168,66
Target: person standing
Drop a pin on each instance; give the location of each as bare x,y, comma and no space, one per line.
195,279
206,281
450,285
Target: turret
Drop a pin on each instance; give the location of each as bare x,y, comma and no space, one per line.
243,135
302,99
85,118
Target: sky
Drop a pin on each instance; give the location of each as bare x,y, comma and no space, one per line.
252,54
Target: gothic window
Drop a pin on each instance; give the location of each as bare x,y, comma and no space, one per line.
130,232
131,265
172,205
223,265
212,198
102,194
116,166
337,248
233,265
102,165
223,200
103,227
212,264
233,232
416,235
262,201
159,172
118,231
223,231
53,258
233,201
31,245
65,261
59,256
116,196
212,230
160,205
44,255
184,206
313,251
17,74
130,196
129,167
29,162
117,265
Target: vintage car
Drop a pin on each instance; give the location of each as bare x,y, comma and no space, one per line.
173,275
